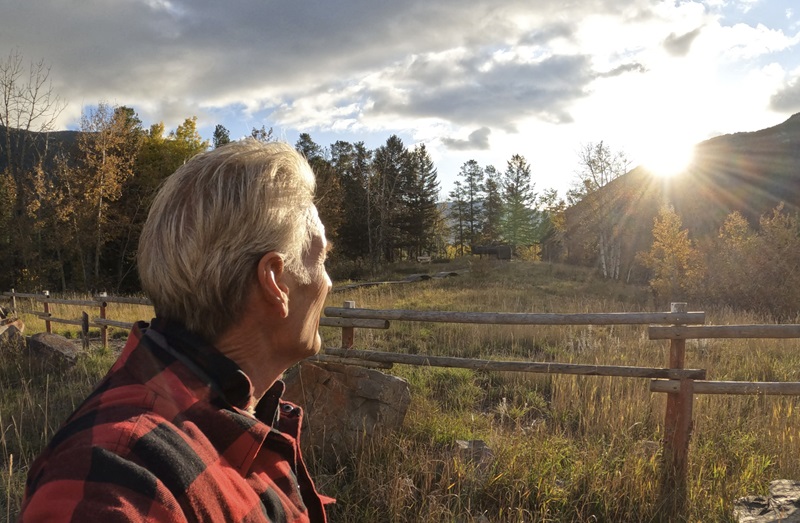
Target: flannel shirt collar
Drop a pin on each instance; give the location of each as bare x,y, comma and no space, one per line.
223,376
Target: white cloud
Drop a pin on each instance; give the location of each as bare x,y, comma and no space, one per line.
537,78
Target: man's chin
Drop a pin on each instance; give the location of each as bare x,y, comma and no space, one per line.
314,349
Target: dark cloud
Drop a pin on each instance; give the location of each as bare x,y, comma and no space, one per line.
478,140
625,68
787,99
495,95
170,59
679,45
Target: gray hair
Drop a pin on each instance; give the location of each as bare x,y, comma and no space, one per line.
213,220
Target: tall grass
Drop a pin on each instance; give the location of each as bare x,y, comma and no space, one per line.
566,448
563,448
37,395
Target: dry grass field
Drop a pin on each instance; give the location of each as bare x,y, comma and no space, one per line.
565,448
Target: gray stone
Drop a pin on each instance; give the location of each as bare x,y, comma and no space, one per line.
782,504
475,451
345,405
55,349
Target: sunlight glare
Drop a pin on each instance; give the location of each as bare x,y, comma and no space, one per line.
668,159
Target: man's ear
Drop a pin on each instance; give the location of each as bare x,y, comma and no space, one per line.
271,282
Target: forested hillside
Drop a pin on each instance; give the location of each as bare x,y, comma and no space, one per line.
725,230
72,204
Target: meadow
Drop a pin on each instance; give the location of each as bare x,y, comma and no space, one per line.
564,448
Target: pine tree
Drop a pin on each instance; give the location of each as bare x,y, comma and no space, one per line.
329,194
491,229
221,136
472,175
309,148
388,165
519,214
419,194
352,165
458,211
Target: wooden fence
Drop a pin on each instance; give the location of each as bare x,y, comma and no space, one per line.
680,384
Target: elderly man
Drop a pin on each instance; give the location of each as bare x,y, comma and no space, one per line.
188,425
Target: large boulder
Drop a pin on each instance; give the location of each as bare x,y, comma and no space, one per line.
56,350
345,404
782,504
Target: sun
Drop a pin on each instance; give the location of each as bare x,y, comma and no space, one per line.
667,158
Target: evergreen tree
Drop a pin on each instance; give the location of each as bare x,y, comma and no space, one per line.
550,228
459,206
519,214
472,176
352,165
329,196
388,166
309,148
419,194
491,230
221,136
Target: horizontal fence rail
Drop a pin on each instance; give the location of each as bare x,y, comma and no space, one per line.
724,331
768,388
520,318
518,366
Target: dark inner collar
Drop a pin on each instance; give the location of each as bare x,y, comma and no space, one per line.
221,373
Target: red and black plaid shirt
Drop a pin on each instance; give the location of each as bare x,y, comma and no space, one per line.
165,437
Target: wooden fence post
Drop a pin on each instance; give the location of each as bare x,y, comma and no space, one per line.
13,301
677,429
85,330
348,333
103,328
47,326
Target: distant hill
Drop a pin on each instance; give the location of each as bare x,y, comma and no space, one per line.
746,172
749,172
39,143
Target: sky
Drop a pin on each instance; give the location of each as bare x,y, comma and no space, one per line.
470,79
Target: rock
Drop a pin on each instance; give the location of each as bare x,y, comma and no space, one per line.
56,350
782,504
345,404
11,337
475,451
